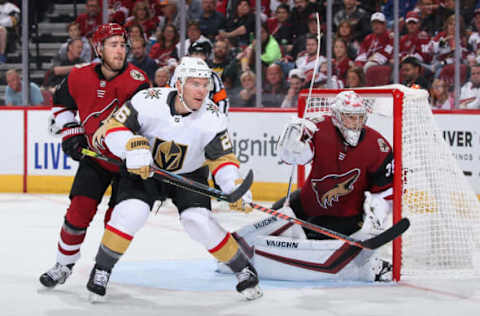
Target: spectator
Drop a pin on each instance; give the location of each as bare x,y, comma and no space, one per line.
239,26
355,78
415,41
247,96
90,20
296,81
445,9
357,17
440,98
162,76
210,20
344,31
73,30
62,65
474,38
300,13
194,35
341,62
274,4
141,59
442,46
142,15
410,72
306,62
13,92
135,31
270,50
221,57
281,28
377,48
404,7
274,87
165,45
169,14
430,22
9,18
470,92
118,10
300,42
194,9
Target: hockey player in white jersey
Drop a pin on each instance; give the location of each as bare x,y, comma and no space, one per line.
182,131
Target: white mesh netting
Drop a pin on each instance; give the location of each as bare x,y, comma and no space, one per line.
444,237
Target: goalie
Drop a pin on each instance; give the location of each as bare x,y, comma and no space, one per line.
346,191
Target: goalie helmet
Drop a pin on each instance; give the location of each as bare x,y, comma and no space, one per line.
105,31
192,67
349,115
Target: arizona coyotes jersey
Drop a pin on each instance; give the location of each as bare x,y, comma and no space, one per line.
340,173
180,143
87,92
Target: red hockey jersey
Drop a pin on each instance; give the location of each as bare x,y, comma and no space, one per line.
87,91
340,173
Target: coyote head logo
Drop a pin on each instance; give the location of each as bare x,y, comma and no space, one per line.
332,186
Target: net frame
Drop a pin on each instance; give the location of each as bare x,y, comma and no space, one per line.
405,198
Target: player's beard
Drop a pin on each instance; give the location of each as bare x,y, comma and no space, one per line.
114,64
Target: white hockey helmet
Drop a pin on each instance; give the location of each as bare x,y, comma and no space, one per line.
347,106
192,67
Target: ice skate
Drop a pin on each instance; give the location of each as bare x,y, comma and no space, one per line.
248,283
97,284
56,275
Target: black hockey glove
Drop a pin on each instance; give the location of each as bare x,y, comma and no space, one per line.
73,140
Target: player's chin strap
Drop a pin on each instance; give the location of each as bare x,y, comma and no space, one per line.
182,101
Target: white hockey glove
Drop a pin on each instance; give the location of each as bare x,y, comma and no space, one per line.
376,211
291,148
138,156
242,204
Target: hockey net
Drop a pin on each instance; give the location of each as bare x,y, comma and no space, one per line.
429,187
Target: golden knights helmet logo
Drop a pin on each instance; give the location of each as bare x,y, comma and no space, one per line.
334,186
169,155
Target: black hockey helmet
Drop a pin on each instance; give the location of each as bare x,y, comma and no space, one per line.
200,47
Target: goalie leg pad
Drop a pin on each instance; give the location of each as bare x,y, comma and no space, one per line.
280,258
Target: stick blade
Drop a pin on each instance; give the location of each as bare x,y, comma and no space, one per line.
388,235
242,189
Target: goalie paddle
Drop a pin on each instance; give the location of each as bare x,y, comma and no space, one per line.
185,183
381,239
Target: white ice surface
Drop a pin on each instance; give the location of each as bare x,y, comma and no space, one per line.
166,273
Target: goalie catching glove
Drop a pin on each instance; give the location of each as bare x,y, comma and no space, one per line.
376,211
73,140
294,144
138,157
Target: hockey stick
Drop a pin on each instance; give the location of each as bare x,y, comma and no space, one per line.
319,38
381,239
185,183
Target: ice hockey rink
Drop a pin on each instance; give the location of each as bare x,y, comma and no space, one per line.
166,273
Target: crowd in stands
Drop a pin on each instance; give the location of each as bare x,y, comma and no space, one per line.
362,44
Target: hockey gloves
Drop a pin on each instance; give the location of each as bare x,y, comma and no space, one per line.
242,204
138,157
73,140
376,211
294,144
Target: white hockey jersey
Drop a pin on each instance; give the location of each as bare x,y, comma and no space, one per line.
180,143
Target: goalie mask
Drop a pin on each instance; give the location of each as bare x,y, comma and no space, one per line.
349,115
192,67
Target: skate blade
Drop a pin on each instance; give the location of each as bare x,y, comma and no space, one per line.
252,293
95,298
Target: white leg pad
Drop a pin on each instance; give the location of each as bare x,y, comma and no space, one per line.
129,216
201,226
280,258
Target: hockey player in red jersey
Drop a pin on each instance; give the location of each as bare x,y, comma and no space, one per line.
346,191
93,92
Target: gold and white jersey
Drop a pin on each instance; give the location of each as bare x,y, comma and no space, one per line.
179,143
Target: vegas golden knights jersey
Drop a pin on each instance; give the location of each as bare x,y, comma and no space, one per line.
180,143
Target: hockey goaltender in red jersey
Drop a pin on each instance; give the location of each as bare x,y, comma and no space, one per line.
346,191
95,91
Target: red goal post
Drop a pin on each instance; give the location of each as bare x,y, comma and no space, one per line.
429,187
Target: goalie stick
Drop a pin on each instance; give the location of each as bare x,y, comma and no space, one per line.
381,239
185,183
